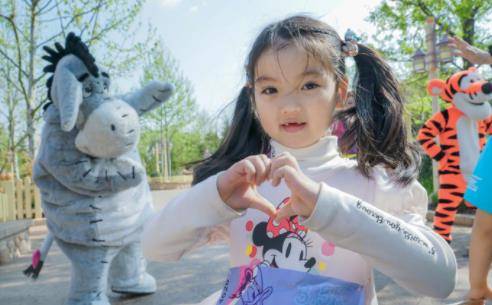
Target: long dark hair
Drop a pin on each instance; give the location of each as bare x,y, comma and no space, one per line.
375,124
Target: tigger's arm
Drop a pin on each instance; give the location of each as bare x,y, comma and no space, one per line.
427,134
488,125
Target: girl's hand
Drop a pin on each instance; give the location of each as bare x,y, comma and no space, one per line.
237,185
304,191
471,53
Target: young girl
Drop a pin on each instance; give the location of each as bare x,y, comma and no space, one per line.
305,225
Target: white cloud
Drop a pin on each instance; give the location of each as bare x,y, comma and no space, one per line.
169,3
194,8
350,15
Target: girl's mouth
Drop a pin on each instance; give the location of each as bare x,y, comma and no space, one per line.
293,127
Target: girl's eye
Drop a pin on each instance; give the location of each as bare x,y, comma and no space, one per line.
287,253
301,256
269,90
310,86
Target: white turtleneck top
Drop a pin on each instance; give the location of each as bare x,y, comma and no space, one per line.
358,224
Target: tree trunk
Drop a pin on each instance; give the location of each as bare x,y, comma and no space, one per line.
31,96
468,26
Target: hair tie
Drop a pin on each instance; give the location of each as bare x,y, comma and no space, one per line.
349,45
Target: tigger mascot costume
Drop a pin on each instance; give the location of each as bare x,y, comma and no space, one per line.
461,130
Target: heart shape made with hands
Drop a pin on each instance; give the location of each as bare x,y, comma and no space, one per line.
238,185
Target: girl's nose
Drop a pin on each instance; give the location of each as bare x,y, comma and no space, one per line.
290,105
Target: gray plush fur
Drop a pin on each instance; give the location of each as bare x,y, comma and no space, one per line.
94,190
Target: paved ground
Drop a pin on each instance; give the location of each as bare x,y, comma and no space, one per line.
187,281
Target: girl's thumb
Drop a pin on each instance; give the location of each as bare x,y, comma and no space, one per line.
285,211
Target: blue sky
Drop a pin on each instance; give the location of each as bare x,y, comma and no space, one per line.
210,38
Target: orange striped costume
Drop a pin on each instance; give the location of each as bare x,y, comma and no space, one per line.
461,130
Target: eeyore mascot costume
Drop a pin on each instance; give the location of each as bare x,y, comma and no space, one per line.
94,190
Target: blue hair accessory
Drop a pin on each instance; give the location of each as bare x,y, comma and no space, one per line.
349,45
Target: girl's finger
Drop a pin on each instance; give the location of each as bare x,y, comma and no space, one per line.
258,202
287,158
249,170
285,172
268,165
284,212
282,160
260,168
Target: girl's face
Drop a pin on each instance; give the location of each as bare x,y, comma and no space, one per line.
295,96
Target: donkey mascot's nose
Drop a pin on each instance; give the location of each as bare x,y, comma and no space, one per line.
115,125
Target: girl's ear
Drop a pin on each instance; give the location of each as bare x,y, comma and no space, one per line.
342,92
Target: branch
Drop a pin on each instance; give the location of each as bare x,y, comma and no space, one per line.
3,113
41,104
12,62
7,76
95,15
19,53
74,17
41,9
37,79
48,40
104,31
60,19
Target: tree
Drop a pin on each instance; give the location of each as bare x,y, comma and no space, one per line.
9,113
400,23
400,32
26,26
173,115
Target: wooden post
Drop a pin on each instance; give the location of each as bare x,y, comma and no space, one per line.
19,199
3,207
37,203
28,197
430,37
9,187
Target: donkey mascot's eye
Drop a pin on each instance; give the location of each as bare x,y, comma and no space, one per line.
87,91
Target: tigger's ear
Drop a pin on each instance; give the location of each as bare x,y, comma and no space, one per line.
472,69
435,87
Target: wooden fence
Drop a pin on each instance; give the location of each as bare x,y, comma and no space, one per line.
19,199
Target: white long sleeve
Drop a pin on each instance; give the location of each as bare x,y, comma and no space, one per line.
401,247
187,222
358,224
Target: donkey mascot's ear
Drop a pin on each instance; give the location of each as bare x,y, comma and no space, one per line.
69,66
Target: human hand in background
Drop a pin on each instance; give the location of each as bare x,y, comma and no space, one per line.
469,52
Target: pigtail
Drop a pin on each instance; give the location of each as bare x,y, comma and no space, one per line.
376,122
244,138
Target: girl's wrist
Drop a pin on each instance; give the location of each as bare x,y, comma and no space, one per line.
313,196
221,188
